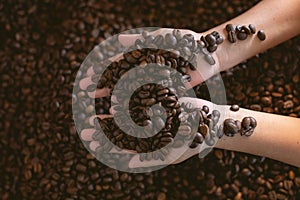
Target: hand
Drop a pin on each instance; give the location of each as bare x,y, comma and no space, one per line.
276,137
203,72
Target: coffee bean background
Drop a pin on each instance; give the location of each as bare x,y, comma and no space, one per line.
42,46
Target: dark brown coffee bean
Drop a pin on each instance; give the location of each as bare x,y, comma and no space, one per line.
234,107
246,30
238,28
212,48
193,145
252,28
230,128
219,40
205,109
229,27
231,36
261,35
203,129
242,36
211,40
246,122
198,138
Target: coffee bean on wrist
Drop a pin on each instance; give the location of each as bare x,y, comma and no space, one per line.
261,35
234,107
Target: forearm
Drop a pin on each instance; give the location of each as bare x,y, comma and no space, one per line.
278,18
276,137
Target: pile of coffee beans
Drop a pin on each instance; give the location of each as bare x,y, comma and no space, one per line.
246,127
212,41
241,32
42,46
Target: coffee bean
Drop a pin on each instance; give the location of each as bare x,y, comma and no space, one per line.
234,107
205,109
209,59
230,128
242,36
252,28
193,145
232,36
261,35
203,129
198,138
211,40
220,132
248,126
246,30
219,40
229,27
184,130
212,48
238,28
171,39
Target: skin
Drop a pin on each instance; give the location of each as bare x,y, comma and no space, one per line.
276,137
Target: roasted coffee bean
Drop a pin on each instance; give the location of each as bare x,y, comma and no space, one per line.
209,141
198,138
219,40
211,40
209,59
261,35
203,129
248,126
252,28
238,28
242,36
246,30
220,132
170,39
234,107
232,36
216,113
212,48
205,109
229,27
230,127
193,145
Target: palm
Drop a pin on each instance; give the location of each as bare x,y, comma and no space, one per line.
203,70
